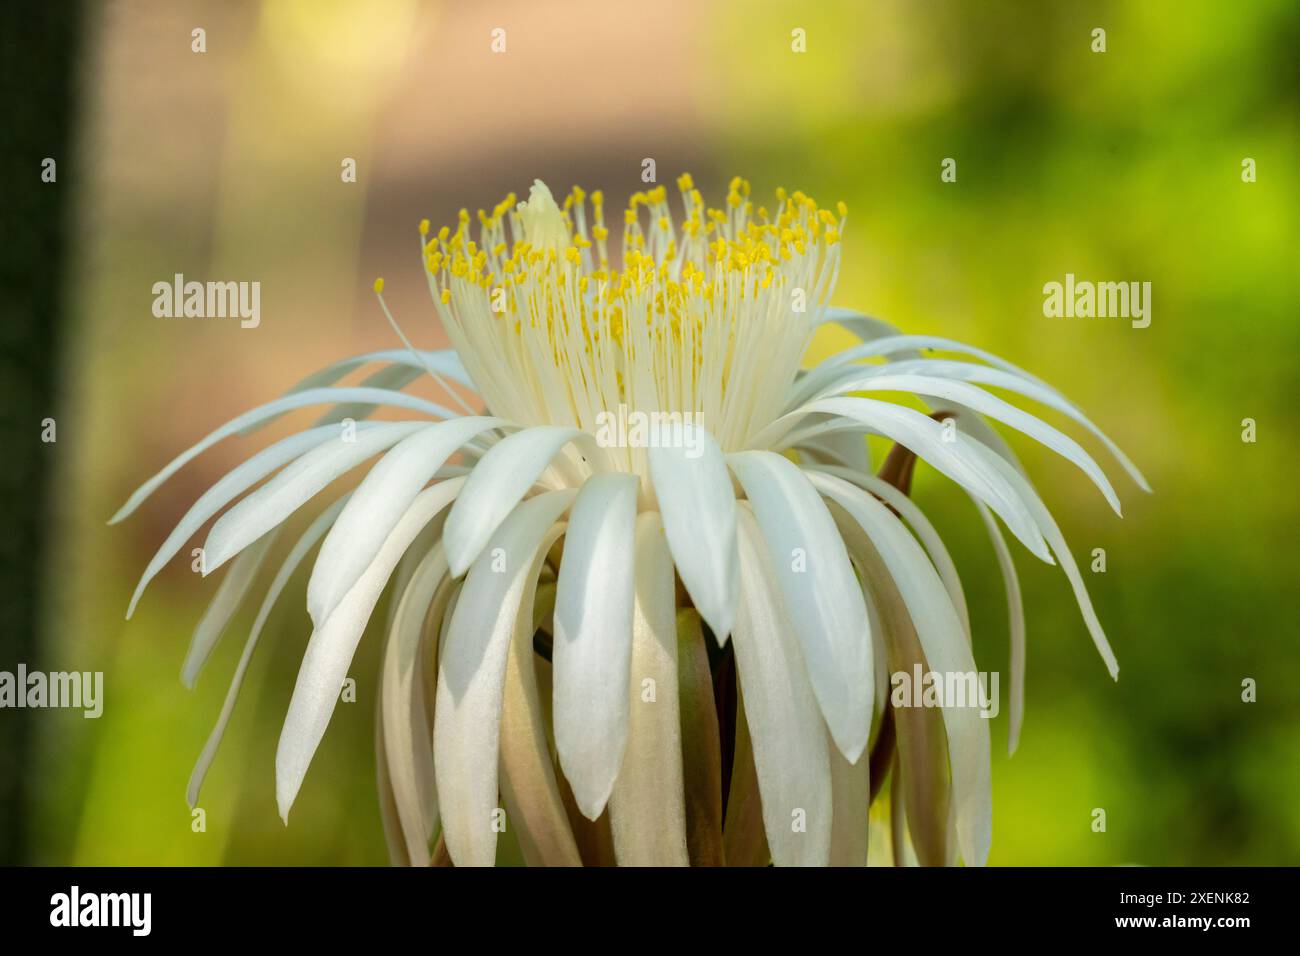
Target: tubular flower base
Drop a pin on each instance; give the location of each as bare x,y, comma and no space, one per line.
645,607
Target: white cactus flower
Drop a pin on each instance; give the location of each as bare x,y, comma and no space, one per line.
657,577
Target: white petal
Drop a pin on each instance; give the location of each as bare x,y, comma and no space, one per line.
408,746
304,544
231,484
952,457
1016,623
946,651
992,406
820,590
530,791
377,504
865,327
593,638
232,590
1062,551
1019,382
647,809
293,487
471,676
698,506
392,377
786,729
331,647
312,396
500,479
443,361
925,531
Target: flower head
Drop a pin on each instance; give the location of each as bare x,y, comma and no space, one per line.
597,626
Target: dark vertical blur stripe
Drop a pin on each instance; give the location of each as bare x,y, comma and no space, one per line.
39,46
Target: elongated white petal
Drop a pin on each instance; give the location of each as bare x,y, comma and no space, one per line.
647,810
408,747
986,404
946,651
873,332
293,487
443,361
880,339
698,506
919,523
846,378
1062,551
530,789
393,377
215,498
311,396
593,638
232,590
304,544
785,726
332,645
471,675
1016,624
500,479
948,452
820,590
910,345
377,504
864,326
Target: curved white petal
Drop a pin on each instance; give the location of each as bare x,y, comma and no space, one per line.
408,747
788,735
232,590
392,377
845,378
951,455
332,645
1062,551
471,676
698,506
1016,624
647,809
915,517
593,638
443,361
234,482
946,651
985,403
820,590
500,479
311,396
379,502
293,487
314,532
530,790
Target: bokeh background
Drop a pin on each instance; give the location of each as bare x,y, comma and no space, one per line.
1123,165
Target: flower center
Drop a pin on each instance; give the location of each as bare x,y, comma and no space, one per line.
709,314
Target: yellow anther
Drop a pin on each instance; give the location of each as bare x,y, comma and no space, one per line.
424,227
379,286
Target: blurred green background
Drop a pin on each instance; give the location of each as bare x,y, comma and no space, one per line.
1122,165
